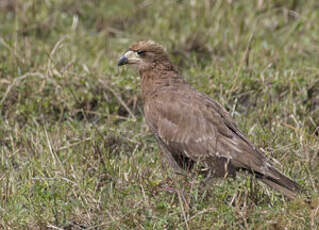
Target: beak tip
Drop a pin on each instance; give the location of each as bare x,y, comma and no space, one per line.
123,60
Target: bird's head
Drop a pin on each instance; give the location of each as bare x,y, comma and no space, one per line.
144,55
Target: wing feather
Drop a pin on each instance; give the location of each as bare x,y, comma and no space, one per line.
191,123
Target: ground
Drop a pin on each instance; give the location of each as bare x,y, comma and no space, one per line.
75,150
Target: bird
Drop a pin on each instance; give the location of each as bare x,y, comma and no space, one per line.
193,130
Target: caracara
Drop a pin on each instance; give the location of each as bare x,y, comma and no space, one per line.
193,129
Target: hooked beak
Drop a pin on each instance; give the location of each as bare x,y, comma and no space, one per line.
123,60
130,57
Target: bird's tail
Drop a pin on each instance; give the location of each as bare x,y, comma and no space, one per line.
282,184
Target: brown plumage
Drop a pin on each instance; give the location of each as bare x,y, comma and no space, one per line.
191,128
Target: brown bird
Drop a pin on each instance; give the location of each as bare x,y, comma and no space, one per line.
191,128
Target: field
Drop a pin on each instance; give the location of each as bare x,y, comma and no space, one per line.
75,150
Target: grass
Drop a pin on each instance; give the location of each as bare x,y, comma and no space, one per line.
75,152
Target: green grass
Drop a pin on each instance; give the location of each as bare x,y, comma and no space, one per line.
75,152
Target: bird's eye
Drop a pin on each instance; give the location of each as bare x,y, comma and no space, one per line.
140,52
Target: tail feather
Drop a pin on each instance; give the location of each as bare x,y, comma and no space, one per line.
282,184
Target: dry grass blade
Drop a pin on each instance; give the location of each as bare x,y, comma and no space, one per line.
181,203
244,59
16,81
118,97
